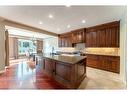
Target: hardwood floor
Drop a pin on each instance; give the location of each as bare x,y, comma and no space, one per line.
26,75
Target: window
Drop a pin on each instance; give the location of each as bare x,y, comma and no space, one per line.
24,45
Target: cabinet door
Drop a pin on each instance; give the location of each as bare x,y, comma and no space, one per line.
113,64
108,37
74,37
48,66
93,39
92,61
69,40
112,37
80,35
62,71
101,38
102,62
60,41
84,36
65,42
88,37
115,37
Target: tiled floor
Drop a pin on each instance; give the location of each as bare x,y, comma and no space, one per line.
100,79
27,75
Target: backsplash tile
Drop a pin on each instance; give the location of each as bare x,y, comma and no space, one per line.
100,51
67,49
103,51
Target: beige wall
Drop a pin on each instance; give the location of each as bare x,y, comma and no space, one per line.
2,46
123,48
11,47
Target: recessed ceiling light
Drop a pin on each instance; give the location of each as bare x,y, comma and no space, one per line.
68,26
40,22
50,16
83,21
68,5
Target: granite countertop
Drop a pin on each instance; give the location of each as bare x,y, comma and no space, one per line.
71,59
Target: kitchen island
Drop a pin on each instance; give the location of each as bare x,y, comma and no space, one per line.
67,70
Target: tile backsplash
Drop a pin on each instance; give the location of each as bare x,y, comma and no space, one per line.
103,51
99,51
67,49
80,47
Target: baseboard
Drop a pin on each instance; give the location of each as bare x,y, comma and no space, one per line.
2,71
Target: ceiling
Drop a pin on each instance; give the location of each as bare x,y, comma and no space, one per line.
62,16
16,32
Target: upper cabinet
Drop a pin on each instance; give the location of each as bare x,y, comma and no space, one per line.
106,35
78,36
71,38
65,40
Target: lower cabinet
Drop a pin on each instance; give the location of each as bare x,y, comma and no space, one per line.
92,60
113,64
48,66
69,75
108,63
62,71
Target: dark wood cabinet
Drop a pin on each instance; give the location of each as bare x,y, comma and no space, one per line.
69,75
115,36
65,40
48,66
108,38
78,36
62,71
106,35
91,39
92,60
71,38
108,63
88,37
101,38
113,64
112,36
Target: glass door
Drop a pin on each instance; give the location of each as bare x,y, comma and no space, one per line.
25,46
